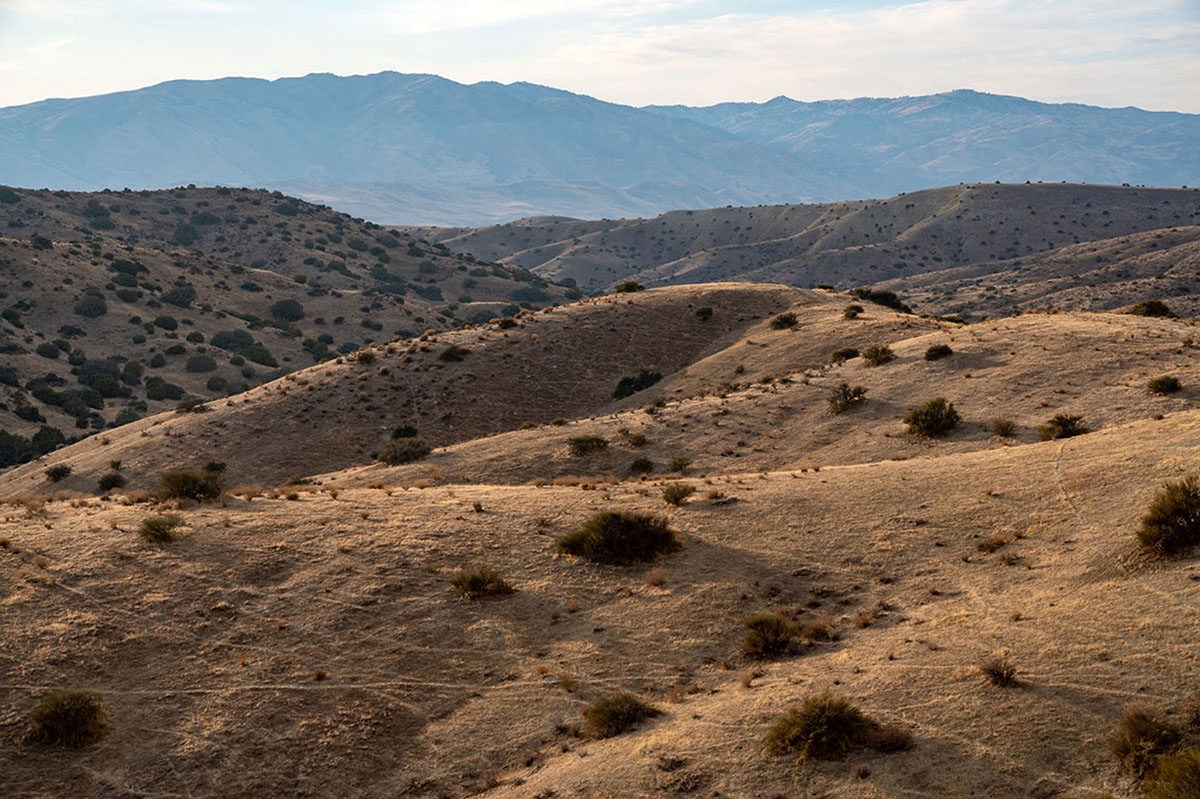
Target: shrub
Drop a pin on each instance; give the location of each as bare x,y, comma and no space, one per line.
586,445
91,306
768,635
404,431
824,727
1139,738
1062,426
678,464
616,714
58,472
704,314
159,529
877,354
201,363
1176,776
843,354
480,582
933,419
999,671
201,486
888,299
287,310
938,351
403,450
845,397
1172,522
852,311
628,386
70,718
1004,428
641,466
620,538
1167,384
110,481
454,353
677,493
628,286
1152,308
784,321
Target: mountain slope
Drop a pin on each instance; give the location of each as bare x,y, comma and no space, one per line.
118,305
419,149
977,227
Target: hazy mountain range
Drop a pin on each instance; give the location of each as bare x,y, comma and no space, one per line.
420,149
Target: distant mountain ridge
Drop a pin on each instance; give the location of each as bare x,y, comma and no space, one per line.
420,149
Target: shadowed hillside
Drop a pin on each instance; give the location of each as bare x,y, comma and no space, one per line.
850,244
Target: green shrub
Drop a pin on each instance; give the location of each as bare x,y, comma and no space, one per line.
938,351
58,472
70,718
823,727
620,538
852,311
627,287
1062,426
641,466
1167,384
845,397
878,354
888,299
287,310
1004,428
677,493
704,314
1172,522
90,306
616,714
404,431
480,582
933,419
586,445
628,386
1140,738
110,481
784,321
200,486
201,363
403,450
159,529
1152,308
843,354
768,635
1176,776
454,353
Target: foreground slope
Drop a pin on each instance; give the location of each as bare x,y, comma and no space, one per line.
313,647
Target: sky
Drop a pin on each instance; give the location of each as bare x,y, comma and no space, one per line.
698,52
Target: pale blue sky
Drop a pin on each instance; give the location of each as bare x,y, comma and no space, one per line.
1104,52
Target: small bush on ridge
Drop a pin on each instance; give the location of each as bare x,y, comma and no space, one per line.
620,538
677,493
480,582
616,714
70,718
933,419
1172,522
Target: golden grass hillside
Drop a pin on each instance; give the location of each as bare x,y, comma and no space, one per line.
314,646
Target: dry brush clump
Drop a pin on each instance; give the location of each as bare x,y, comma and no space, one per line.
677,493
999,671
582,446
768,635
616,714
1140,738
844,397
480,582
70,718
200,485
1062,426
1164,386
620,538
403,450
878,354
828,727
160,529
938,351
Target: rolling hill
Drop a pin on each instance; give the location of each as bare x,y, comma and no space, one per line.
289,632
419,149
118,305
934,239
